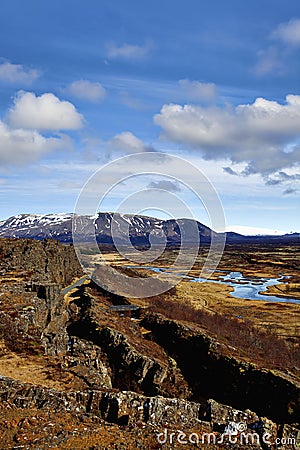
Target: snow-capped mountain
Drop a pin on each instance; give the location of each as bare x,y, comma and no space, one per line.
59,226
35,226
139,228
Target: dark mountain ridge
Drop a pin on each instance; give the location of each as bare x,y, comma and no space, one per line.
114,228
108,228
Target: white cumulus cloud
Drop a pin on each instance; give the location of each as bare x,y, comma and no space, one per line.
127,142
263,134
87,90
46,112
19,146
17,73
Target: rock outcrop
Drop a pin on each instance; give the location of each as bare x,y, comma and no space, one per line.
129,408
143,372
44,261
212,373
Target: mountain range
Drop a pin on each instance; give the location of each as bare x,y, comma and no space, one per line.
59,227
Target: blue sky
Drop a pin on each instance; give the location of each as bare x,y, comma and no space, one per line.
83,83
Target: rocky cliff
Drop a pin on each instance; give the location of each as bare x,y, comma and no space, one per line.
208,422
138,371
43,260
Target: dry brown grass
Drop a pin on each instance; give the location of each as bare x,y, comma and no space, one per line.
265,348
286,290
282,318
35,370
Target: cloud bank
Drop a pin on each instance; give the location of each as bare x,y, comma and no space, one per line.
265,134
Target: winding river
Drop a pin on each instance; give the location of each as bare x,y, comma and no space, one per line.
248,288
251,288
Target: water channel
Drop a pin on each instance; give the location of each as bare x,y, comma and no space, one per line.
249,288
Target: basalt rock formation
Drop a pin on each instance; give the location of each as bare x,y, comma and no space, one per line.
46,261
137,371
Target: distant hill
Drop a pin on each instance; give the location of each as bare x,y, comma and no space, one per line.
59,227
